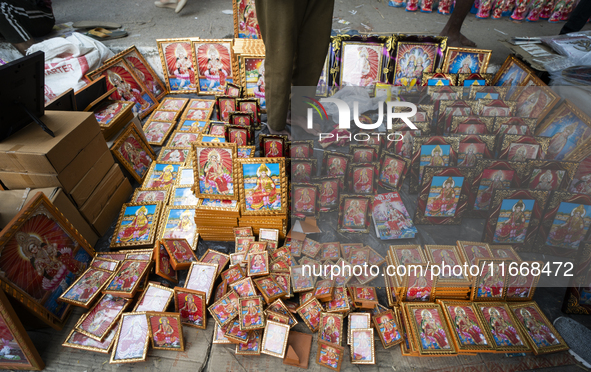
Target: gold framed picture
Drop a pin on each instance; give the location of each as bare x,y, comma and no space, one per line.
166,331
275,339
263,186
137,225
215,170
131,342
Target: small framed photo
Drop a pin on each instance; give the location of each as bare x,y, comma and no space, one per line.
362,346
246,152
276,317
301,281
244,287
242,231
183,195
201,277
466,326
330,355
219,335
363,178
550,175
226,308
225,106
522,287
279,307
132,151
538,330
178,222
438,79
431,151
77,340
140,254
311,248
339,302
233,90
241,136
305,200
354,213
335,164
243,243
502,328
275,339
182,139
302,170
269,288
217,129
330,251
215,173
162,175
419,283
191,306
491,284
251,105
131,341
154,298
243,119
272,146
213,256
263,186
364,297
387,325
520,148
98,322
310,313
257,263
137,225
163,267
238,259
104,263
234,333
220,290
324,290
427,320
358,321
393,169
331,328
328,189
251,313
301,149
252,346
179,66
157,132
127,279
364,153
166,331
141,195
268,235
174,155
213,78
233,274
87,287
180,253
466,60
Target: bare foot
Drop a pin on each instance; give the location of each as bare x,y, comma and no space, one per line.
280,132
301,122
458,40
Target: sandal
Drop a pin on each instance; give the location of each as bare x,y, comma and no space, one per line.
181,4
171,5
96,24
103,34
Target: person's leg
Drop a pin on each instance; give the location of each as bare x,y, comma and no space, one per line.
278,20
454,25
20,21
577,18
312,48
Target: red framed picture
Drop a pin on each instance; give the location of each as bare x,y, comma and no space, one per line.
304,200
191,306
363,178
302,170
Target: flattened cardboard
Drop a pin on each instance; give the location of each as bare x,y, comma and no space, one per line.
301,343
103,192
291,357
82,191
107,215
33,150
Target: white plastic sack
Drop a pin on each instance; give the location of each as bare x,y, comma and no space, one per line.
67,60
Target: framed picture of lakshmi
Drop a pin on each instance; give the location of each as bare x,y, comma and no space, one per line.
157,131
467,328
98,322
522,148
133,337
387,324
253,77
272,146
335,164
244,119
108,111
161,175
535,100
361,64
275,339
246,25
362,346
263,186
550,175
328,189
305,200
515,216
180,253
131,151
363,178
178,64
225,106
393,169
239,135
475,147
472,125
154,298
214,60
491,284
330,355
419,283
128,278
444,195
512,74
178,222
191,306
166,331
466,60
538,330
137,225
429,329
219,258
214,171
251,105
173,104
522,287
39,242
501,326
245,152
565,224
301,149
143,71
302,170
87,287
174,154
354,211
473,251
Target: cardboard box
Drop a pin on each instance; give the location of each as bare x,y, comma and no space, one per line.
111,211
12,201
301,344
34,151
67,178
82,191
102,193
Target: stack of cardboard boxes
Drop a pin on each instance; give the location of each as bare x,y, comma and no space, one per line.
77,160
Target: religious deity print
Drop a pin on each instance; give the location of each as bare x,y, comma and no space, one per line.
536,326
179,223
163,264
513,221
304,200
496,109
128,88
465,325
386,324
215,257
135,155
310,312
127,278
392,171
215,170
492,179
419,283
331,328
404,147
254,78
511,75
300,280
446,255
84,290
444,196
470,153
137,225
154,298
570,225
501,326
335,165
520,287
328,193
97,322
144,72
162,175
275,339
80,341
156,131
409,255
173,104
431,331
251,313
226,308
183,196
546,179
214,64
581,183
391,219
466,61
362,346
302,171
355,212
522,151
247,25
433,155
273,148
166,331
191,307
182,139
361,64
329,355
412,60
532,102
107,111
177,58
490,284
569,130
239,136
161,115
201,277
132,338
258,263
201,104
262,187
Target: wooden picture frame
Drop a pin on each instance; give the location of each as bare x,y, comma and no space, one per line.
161,175
178,222
257,263
133,152
244,287
163,266
448,255
530,318
330,355
104,263
157,132
182,195
252,76
136,218
180,252
301,282
363,178
419,283
163,327
150,194
252,346
182,139
174,154
362,346
310,313
87,287
521,148
393,169
301,149
357,321
532,202
269,288
432,314
215,178
510,336
439,79
512,73
329,190
466,327
246,152
334,164
250,311
251,202
128,278
275,339
201,277
154,298
330,328
549,175
279,307
455,61
352,49
354,212
219,258
191,305
204,53
133,329
76,340
226,308
387,326
534,89
443,152
305,200
179,66
491,283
